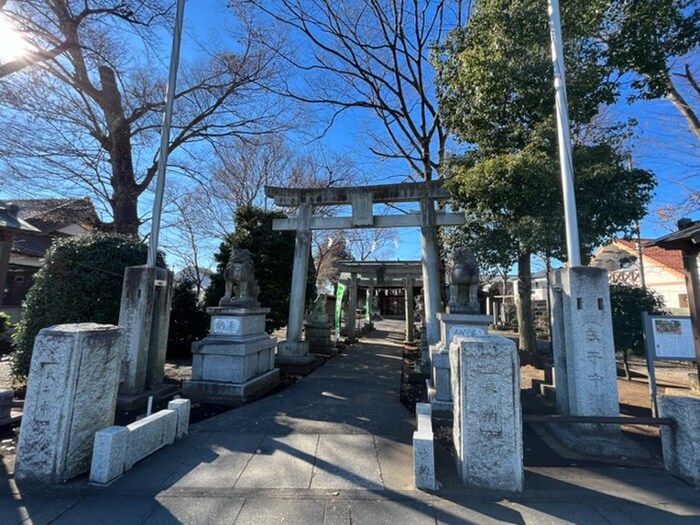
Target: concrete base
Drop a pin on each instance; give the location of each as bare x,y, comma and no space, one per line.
440,409
293,353
230,394
318,336
440,373
128,402
451,325
605,442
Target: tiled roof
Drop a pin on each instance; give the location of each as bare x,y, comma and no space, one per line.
687,235
10,222
672,259
49,215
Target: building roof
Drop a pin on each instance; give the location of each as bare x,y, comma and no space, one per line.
669,259
688,234
9,221
49,216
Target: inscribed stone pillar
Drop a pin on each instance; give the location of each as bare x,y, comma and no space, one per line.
408,293
431,269
294,350
352,308
487,431
582,338
163,295
72,393
145,316
135,316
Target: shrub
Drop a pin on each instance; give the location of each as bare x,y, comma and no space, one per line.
80,281
4,322
628,303
188,322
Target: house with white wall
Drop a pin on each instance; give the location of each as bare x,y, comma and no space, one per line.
662,269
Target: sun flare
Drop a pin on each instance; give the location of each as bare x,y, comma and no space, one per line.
12,45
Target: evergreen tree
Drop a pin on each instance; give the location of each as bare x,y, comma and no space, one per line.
273,256
497,96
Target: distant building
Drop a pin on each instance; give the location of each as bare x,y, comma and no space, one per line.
54,219
663,270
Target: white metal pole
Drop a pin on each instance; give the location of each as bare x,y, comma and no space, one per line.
165,135
567,169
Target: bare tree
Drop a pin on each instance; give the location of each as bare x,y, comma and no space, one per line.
369,54
88,118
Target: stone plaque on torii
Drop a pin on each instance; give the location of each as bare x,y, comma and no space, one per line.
361,199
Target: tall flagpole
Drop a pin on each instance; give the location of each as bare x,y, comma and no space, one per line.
165,136
565,160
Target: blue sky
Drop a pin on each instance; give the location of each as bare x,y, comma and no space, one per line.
663,143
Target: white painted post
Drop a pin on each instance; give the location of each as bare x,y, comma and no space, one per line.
564,136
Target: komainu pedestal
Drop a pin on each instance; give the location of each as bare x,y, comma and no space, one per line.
236,362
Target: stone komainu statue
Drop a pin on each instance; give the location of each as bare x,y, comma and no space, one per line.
463,281
241,287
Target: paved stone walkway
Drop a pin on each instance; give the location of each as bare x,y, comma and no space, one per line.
335,449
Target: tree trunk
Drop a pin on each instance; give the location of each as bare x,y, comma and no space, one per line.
526,325
125,190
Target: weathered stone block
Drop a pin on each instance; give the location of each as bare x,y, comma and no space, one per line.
487,414
582,338
424,449
150,434
71,394
681,444
451,325
145,315
182,407
109,454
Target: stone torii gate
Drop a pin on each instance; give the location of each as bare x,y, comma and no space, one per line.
296,351
381,274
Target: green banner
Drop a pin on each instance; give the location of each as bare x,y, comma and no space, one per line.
340,290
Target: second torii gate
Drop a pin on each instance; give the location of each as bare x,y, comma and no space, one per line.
296,351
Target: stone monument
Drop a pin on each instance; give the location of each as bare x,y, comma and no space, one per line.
462,318
584,353
318,330
236,361
145,316
71,394
487,428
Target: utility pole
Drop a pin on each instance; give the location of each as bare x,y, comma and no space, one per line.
564,136
165,136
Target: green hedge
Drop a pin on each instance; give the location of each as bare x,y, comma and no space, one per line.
80,281
628,303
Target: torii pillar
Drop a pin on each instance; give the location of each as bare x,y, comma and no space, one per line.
295,351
